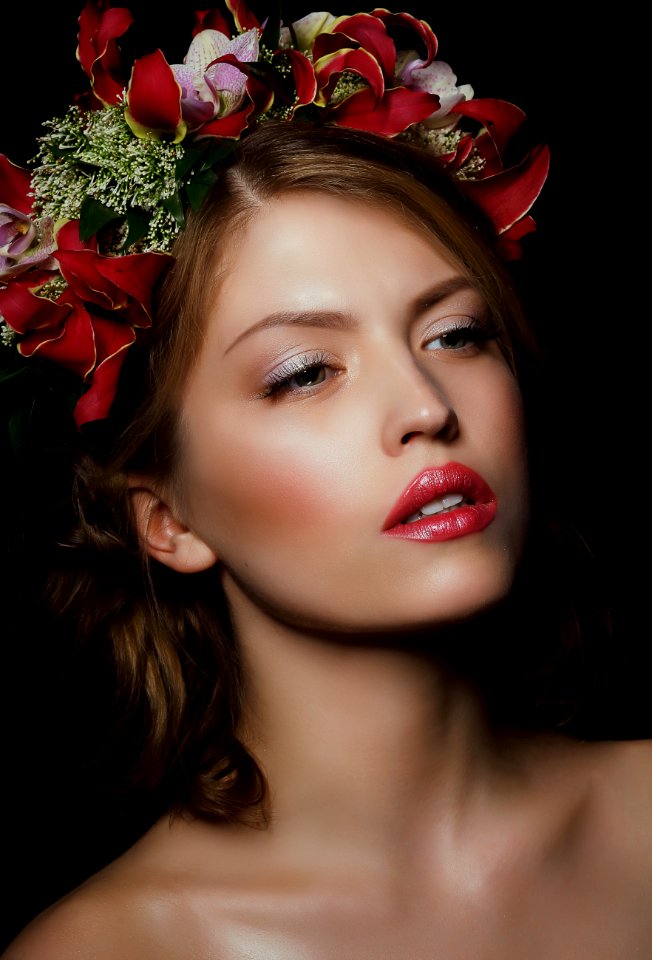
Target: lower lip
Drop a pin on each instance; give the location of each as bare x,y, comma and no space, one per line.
471,518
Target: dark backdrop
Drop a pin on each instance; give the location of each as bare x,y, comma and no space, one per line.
583,283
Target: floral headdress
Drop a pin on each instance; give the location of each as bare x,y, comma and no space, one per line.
86,232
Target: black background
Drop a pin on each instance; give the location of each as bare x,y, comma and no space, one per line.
584,283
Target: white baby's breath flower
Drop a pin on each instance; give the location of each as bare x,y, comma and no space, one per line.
95,154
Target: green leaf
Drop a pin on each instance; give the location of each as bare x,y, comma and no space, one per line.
10,374
174,205
265,73
272,32
216,153
93,216
184,164
17,426
198,187
137,227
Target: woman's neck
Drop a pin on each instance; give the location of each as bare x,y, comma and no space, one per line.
357,741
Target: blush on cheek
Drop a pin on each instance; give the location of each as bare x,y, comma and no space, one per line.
258,497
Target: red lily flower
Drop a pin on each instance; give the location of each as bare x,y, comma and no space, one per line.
91,324
363,44
394,112
500,119
97,51
421,30
15,185
507,196
154,99
210,20
242,15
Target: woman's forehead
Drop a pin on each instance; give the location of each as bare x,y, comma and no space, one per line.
308,249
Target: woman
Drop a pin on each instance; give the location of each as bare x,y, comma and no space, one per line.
322,451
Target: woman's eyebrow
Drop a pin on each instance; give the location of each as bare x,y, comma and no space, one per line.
439,291
334,319
340,320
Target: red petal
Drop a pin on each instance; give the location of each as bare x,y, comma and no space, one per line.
68,238
509,242
211,20
228,127
260,98
328,70
154,96
96,403
135,273
111,336
371,34
397,109
508,196
244,18
97,51
501,118
327,43
486,149
80,270
422,29
72,347
25,312
304,77
15,184
461,154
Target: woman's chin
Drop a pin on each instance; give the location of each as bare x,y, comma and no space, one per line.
436,599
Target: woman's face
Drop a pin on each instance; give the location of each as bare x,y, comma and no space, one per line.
347,379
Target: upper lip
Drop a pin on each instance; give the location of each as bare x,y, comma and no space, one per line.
435,482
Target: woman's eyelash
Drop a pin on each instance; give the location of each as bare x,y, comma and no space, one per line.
467,328
281,378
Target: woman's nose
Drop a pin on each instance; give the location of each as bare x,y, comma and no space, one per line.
416,406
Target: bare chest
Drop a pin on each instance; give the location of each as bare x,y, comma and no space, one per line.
574,918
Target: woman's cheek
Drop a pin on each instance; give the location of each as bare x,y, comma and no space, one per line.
268,486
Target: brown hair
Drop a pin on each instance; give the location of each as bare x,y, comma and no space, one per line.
168,635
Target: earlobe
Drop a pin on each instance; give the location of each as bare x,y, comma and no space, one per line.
165,537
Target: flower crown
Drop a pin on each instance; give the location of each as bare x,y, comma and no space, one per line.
86,233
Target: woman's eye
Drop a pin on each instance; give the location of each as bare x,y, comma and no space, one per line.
309,377
458,338
299,375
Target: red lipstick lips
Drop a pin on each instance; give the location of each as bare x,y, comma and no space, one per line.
439,489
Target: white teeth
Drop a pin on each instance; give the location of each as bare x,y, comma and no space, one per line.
437,506
443,503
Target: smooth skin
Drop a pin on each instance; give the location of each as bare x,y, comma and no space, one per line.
344,353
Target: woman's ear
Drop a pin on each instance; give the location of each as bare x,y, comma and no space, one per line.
165,537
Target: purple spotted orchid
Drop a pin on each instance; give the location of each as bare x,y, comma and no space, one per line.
435,77
23,243
211,89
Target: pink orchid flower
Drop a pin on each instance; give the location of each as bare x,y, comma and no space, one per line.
212,89
435,77
24,243
304,32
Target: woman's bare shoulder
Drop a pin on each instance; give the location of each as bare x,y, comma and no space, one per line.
623,779
138,907
615,778
603,786
95,920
